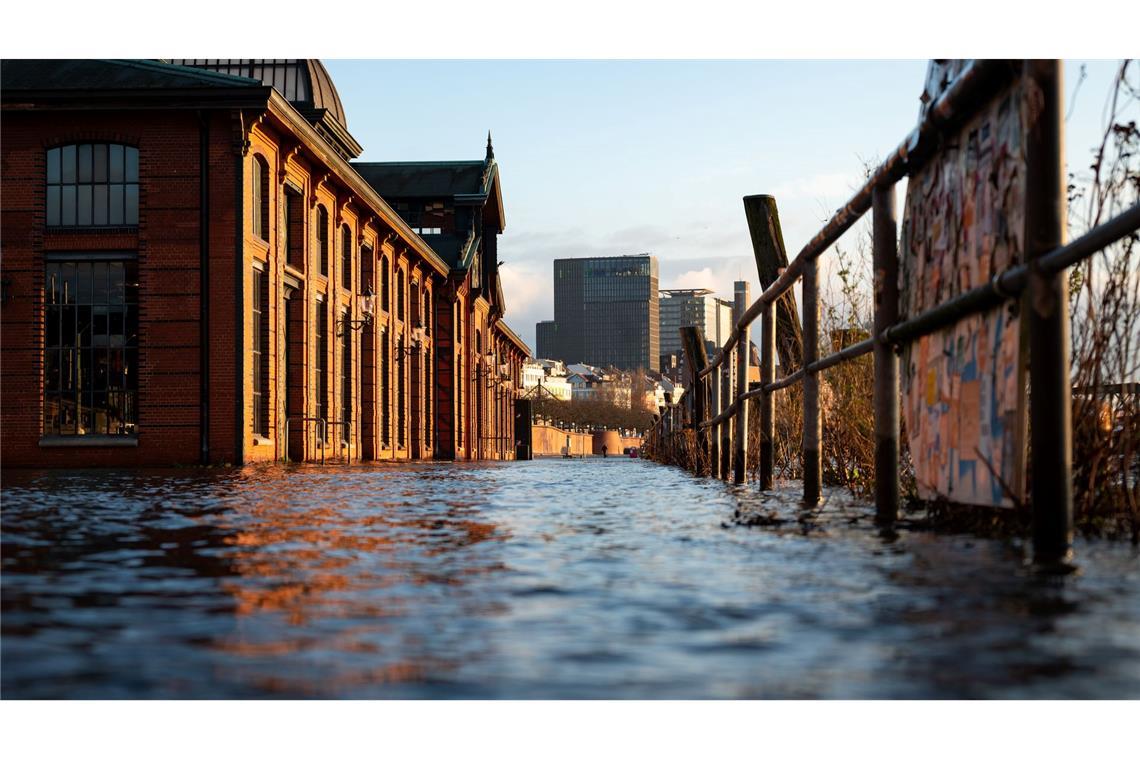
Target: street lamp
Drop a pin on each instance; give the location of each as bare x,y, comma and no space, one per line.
367,310
417,341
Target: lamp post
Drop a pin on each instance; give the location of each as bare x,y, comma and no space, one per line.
367,310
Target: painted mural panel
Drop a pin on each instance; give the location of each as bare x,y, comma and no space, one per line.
963,387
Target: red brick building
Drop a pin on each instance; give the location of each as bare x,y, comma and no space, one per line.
194,271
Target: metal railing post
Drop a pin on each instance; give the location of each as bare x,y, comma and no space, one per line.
886,391
1050,391
811,434
768,400
740,456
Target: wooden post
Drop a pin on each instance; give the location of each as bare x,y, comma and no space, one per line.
771,258
767,401
811,454
696,359
715,387
725,381
886,390
1050,390
740,455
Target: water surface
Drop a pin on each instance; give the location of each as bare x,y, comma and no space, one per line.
548,579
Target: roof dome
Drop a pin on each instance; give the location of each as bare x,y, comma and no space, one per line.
304,82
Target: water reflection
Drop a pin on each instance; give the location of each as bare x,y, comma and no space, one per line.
609,578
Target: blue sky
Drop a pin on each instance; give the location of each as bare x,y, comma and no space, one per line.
612,157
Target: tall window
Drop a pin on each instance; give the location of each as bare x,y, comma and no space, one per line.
401,395
460,387
415,304
385,293
429,382
460,394
259,331
427,312
294,227
92,185
385,389
400,295
288,314
260,204
345,257
346,381
90,347
366,265
322,361
323,239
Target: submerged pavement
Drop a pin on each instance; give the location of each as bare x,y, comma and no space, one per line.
586,578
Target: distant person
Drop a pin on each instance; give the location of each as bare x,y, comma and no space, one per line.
603,451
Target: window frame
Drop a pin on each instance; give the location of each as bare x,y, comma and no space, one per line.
128,185
260,354
119,348
323,222
346,257
259,205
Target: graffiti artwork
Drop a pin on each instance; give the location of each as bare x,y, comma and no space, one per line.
963,387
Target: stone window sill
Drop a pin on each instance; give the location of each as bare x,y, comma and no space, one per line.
88,441
262,441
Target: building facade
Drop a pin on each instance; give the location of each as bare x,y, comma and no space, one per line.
545,380
196,273
605,313
693,308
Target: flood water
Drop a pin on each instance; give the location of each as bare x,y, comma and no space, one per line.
555,578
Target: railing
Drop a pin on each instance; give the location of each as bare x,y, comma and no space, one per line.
1047,314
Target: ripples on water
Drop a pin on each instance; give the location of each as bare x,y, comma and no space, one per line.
580,578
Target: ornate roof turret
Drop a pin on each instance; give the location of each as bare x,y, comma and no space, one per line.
304,82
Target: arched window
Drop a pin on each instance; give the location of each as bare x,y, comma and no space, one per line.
346,257
385,292
260,204
92,185
323,239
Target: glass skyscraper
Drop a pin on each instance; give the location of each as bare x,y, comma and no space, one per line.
693,308
605,313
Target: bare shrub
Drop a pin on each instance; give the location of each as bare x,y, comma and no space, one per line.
1104,298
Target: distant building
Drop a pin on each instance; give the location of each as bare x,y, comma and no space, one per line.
693,308
546,339
543,378
605,312
592,384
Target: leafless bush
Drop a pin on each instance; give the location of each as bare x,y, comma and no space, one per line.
1104,297
593,413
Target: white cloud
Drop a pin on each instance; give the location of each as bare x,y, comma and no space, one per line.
825,187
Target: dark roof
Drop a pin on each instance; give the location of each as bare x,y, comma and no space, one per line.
424,179
457,250
87,75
